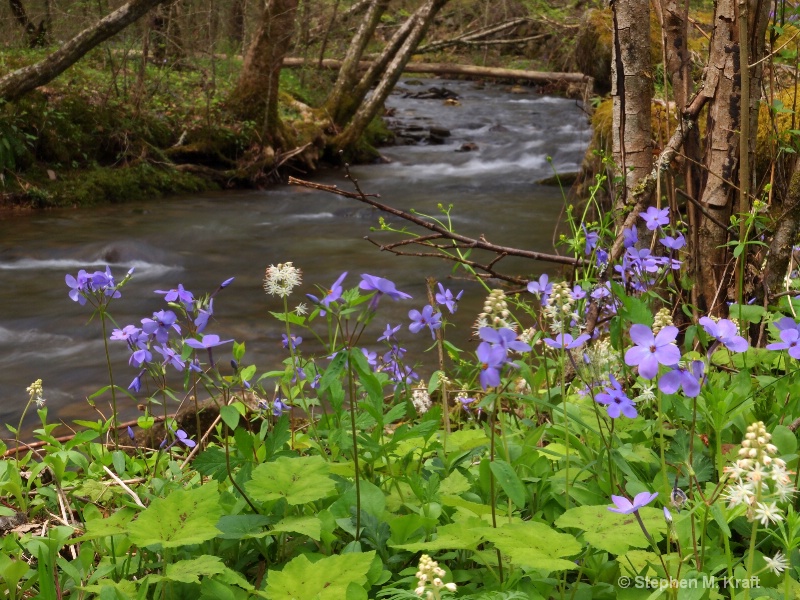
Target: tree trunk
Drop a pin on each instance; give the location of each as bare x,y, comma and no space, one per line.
16,84
632,94
167,42
369,109
236,23
256,93
348,73
786,213
722,86
35,36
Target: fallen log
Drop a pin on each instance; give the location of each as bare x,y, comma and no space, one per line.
453,69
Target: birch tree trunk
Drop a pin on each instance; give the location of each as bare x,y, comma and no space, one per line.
371,107
16,84
256,93
632,94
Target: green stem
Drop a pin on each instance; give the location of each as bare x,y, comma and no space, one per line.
352,389
751,557
566,430
114,416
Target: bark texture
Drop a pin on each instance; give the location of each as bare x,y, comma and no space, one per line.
632,93
786,213
256,93
16,84
372,106
722,87
348,73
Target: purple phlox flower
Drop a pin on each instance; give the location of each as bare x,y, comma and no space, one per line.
226,283
299,374
445,298
616,400
790,340
183,437
626,507
564,340
630,237
315,382
591,238
689,377
371,283
292,339
160,324
542,288
130,433
140,356
491,358
426,318
332,295
388,333
78,286
372,357
130,334
651,350
209,341
194,365
578,293
673,243
279,407
179,294
136,384
786,323
204,313
725,333
504,337
655,218
465,402
602,291
602,257
171,357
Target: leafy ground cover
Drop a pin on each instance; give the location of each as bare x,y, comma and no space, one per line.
584,447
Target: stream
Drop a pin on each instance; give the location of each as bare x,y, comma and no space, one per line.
204,239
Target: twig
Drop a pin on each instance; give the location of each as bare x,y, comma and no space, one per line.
121,483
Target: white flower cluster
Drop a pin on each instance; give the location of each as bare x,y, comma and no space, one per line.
759,480
560,308
282,279
35,393
430,576
662,319
495,312
421,399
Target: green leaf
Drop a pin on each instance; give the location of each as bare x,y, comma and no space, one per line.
118,459
325,579
784,439
190,571
117,524
308,526
534,545
454,536
334,370
230,416
184,517
212,463
751,313
299,480
509,481
241,527
289,318
613,532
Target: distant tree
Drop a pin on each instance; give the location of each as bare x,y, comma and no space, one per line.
36,35
16,84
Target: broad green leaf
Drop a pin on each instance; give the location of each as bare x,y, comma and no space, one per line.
373,501
454,484
240,527
784,439
325,579
117,524
534,545
466,439
230,416
613,532
298,479
309,526
212,463
751,313
473,507
507,478
190,571
454,536
184,517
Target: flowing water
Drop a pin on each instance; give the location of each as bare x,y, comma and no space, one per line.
201,240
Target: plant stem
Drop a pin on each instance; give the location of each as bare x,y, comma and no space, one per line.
352,389
114,416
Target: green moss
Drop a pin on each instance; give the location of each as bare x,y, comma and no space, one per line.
116,185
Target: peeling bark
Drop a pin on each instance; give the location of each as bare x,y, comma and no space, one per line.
632,93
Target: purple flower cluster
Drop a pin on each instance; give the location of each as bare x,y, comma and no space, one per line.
98,286
445,298
616,401
493,353
426,318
